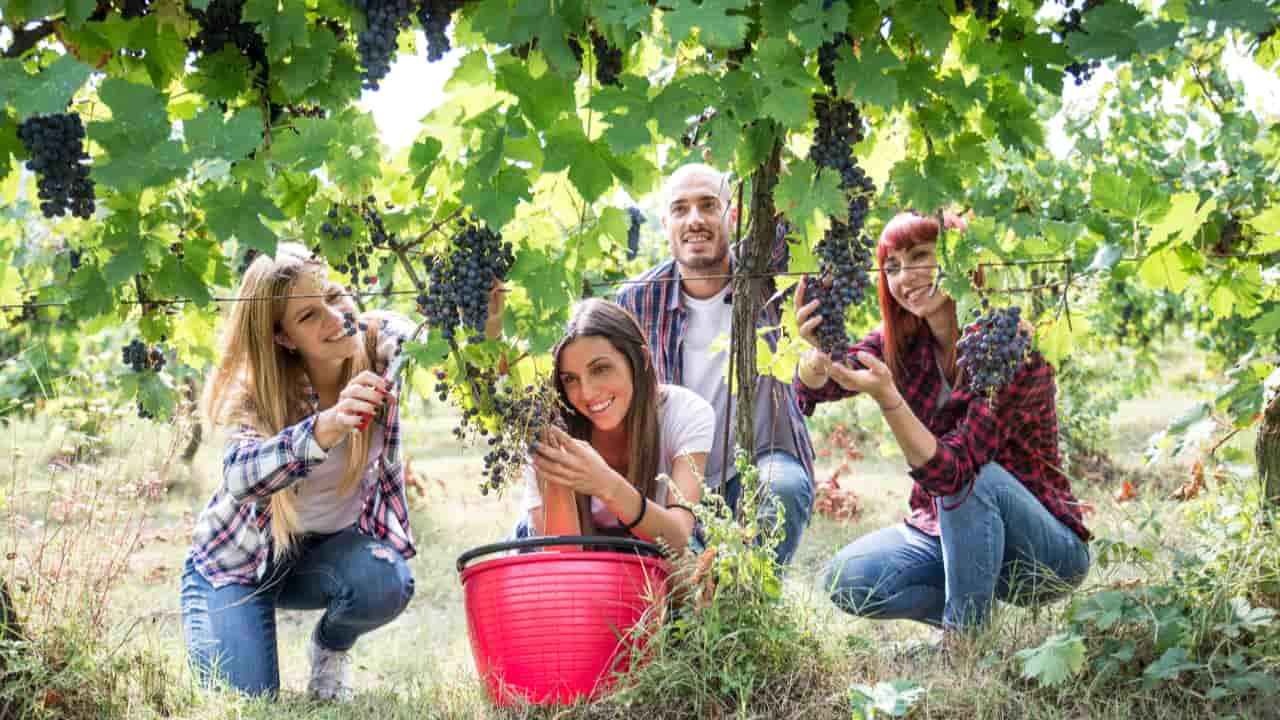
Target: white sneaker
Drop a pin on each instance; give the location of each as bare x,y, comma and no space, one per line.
330,673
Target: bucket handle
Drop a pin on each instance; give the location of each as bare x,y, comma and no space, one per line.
600,542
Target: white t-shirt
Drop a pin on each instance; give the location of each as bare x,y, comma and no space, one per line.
319,508
709,320
686,425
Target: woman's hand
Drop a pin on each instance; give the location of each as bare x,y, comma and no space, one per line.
875,380
364,395
807,317
497,305
576,465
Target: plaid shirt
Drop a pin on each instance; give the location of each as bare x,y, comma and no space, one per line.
655,300
232,538
1020,432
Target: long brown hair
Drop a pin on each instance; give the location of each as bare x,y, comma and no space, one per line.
608,320
260,385
900,327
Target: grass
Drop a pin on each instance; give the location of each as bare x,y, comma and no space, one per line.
130,505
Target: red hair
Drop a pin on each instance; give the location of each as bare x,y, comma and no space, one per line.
899,327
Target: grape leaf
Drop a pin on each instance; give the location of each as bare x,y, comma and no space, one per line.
711,18
1255,16
310,63
1108,31
78,11
542,99
803,191
1054,661
232,212
813,25
307,146
1267,326
223,75
873,75
164,50
422,160
282,25
495,201
210,138
1182,218
46,93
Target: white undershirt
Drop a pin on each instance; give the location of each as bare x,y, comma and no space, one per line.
709,320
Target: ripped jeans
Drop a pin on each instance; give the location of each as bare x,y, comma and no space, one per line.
360,582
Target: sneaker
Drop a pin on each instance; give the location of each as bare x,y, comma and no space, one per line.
330,673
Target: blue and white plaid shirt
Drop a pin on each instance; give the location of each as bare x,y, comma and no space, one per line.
232,539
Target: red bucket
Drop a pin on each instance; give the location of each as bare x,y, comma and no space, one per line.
551,627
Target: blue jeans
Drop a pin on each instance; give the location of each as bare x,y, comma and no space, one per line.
789,484
360,582
1000,542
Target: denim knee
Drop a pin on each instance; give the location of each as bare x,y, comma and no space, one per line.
851,595
385,591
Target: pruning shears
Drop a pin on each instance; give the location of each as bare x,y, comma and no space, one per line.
393,372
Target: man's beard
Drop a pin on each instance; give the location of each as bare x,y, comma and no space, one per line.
706,262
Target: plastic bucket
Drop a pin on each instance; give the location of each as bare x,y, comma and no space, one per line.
552,627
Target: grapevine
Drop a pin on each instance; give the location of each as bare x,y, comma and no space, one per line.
56,144
461,280
992,349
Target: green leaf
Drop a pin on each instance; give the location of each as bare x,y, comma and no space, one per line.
308,65
542,99
175,279
926,21
813,25
1014,117
894,698
711,18
1267,326
235,213
78,11
210,138
802,191
140,152
1174,662
1164,270
1056,659
495,202
874,77
355,155
223,75
46,93
422,160
1108,31
282,25
1255,16
164,50
307,146
1182,218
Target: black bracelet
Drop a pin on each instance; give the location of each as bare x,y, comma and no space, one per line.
644,504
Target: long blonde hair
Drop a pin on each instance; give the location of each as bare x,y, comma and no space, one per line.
261,385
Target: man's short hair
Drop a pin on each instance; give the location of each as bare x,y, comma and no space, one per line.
690,169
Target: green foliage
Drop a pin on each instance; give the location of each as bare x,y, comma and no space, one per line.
732,638
891,699
1209,628
221,150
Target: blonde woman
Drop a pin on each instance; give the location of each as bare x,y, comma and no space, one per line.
311,513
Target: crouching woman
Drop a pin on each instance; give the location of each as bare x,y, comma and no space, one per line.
311,512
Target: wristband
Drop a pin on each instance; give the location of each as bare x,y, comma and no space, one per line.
644,505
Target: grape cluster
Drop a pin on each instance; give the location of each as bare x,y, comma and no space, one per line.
350,325
986,10
608,60
508,417
844,252
461,281
74,258
338,227
1072,22
828,53
435,17
220,24
633,232
139,357
131,9
56,144
378,42
993,348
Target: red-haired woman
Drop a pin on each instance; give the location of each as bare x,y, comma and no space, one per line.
992,515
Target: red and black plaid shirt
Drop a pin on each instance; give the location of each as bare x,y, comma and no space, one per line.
1019,431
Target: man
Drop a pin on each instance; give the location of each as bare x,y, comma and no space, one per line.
684,305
